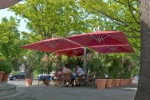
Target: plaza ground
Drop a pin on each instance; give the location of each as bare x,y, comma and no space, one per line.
76,93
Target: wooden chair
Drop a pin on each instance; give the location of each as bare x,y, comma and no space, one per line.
66,79
82,79
91,80
58,80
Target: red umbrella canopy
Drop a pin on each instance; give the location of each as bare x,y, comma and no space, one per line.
113,49
72,52
100,38
52,44
7,3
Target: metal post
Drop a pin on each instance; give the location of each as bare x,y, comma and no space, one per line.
85,60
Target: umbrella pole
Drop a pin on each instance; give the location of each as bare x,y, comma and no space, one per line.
84,64
48,64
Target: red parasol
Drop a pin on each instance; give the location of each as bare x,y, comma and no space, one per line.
113,49
72,52
100,38
52,44
7,3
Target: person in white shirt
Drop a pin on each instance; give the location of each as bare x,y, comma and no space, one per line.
80,74
79,71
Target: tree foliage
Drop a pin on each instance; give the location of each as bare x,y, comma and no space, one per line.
10,38
49,17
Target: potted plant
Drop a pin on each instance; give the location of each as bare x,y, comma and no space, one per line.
97,65
6,67
29,75
29,68
114,70
128,70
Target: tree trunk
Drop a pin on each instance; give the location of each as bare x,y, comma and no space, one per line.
143,90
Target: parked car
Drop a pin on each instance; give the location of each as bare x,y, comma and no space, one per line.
21,75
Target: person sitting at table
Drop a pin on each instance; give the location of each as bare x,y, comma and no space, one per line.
80,74
58,76
67,70
79,71
73,78
60,72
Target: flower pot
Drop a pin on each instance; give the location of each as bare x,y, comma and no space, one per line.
1,75
121,83
128,81
116,82
46,81
5,77
109,83
124,82
28,81
131,81
100,83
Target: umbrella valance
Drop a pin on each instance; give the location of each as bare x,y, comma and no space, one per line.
113,49
72,52
52,44
100,38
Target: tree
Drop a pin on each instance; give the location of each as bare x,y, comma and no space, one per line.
10,38
49,17
144,82
10,41
122,15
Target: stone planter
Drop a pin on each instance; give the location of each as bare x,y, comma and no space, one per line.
1,75
128,81
116,82
121,83
125,82
109,83
28,81
5,77
100,83
131,81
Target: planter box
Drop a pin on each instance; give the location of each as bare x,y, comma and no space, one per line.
100,83
1,75
109,83
28,81
116,82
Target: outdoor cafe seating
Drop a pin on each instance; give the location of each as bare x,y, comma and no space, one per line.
65,80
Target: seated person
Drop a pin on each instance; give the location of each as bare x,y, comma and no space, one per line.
67,70
79,71
58,77
60,72
80,74
73,78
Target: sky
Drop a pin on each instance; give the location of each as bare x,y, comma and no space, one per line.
7,14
